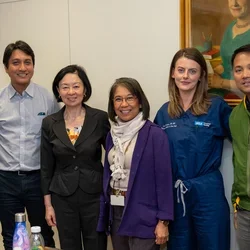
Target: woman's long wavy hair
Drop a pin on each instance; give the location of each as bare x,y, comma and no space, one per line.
201,101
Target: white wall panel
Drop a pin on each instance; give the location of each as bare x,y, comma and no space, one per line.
116,38
11,1
43,25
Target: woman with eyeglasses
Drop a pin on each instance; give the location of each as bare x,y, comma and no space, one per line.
71,167
137,203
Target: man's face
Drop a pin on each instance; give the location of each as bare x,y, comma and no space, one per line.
20,68
241,71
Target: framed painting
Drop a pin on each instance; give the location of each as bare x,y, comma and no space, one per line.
216,28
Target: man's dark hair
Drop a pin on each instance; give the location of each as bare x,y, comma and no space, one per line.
244,48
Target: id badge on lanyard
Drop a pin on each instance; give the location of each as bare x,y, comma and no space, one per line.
117,199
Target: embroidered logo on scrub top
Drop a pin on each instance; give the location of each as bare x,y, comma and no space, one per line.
202,124
169,125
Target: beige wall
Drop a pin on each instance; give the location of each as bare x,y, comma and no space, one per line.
110,38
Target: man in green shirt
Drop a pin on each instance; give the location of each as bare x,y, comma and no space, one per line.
240,128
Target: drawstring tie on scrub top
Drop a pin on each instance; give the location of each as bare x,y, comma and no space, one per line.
181,190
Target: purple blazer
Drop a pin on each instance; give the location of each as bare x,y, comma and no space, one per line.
150,194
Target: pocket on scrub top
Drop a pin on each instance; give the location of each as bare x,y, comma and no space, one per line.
204,137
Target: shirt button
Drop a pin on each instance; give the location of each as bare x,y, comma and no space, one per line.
75,168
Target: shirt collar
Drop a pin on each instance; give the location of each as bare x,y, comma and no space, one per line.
246,103
29,90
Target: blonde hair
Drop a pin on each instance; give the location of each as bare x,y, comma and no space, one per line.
201,101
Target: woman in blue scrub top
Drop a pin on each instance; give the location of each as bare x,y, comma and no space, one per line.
196,125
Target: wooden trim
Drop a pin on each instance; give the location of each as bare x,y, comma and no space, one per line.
185,23
182,23
188,40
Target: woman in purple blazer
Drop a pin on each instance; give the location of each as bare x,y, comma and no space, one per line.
137,203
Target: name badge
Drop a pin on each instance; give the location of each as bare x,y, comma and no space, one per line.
199,124
202,124
117,200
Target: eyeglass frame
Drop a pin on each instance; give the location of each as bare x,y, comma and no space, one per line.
132,97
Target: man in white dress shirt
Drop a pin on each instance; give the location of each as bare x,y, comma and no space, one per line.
23,105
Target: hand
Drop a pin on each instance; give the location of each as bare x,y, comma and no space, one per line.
219,82
219,69
161,233
50,216
235,221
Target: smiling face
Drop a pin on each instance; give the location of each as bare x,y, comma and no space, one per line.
186,74
20,69
71,90
126,105
239,8
241,71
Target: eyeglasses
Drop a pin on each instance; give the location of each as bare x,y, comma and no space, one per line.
128,99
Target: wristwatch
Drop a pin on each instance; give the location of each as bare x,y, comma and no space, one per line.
164,222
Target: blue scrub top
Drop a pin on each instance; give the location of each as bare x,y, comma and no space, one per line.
196,142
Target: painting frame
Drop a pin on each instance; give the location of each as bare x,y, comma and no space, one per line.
186,40
185,23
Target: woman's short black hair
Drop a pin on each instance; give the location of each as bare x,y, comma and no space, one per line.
135,89
82,75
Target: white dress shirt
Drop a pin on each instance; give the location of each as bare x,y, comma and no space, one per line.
20,126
